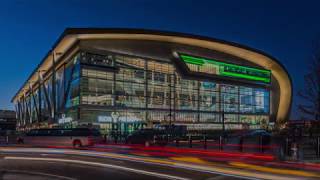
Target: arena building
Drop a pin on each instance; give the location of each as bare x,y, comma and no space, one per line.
126,79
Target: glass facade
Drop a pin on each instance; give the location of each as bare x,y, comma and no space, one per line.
120,93
53,95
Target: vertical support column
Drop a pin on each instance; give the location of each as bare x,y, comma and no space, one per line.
270,115
174,97
238,114
53,108
114,84
64,86
113,100
29,104
152,90
40,96
221,108
22,110
17,112
170,105
30,108
199,84
166,92
219,103
26,108
79,86
198,102
146,93
21,113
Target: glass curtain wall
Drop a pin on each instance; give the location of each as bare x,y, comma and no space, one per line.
142,90
124,93
45,104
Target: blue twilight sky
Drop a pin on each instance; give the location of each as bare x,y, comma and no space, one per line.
283,29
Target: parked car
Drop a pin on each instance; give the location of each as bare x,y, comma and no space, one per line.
76,137
254,138
148,137
249,133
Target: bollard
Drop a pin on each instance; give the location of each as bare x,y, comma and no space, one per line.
260,144
205,142
287,147
294,150
116,139
241,144
105,138
7,139
190,141
220,143
281,153
318,146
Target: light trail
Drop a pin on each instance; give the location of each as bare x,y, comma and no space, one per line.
274,170
138,171
7,171
263,157
206,168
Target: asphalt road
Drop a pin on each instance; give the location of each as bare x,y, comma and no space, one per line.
37,163
39,166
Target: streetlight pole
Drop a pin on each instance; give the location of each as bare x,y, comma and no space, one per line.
223,123
222,110
221,139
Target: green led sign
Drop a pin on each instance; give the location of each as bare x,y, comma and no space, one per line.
211,66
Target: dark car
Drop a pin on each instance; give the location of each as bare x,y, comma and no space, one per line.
148,137
256,139
258,133
249,134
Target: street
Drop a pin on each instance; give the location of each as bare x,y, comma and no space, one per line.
53,166
52,163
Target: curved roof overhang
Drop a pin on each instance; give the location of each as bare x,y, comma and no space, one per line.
71,36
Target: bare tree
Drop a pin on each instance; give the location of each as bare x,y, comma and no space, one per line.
310,108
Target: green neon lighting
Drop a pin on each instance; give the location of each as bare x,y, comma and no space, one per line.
246,76
229,70
192,60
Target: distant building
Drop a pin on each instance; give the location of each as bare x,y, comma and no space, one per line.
7,121
126,79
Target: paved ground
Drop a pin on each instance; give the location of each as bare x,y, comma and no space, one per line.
40,166
32,169
53,163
